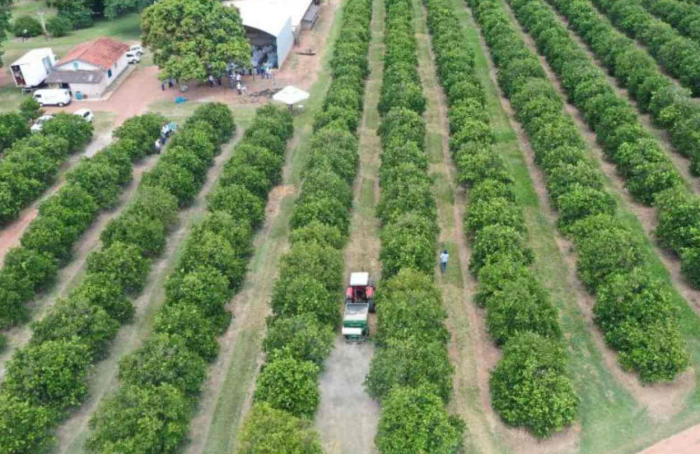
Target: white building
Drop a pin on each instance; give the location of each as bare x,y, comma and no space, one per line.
90,68
275,23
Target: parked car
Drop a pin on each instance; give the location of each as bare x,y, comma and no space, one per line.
132,57
137,49
39,123
53,97
85,114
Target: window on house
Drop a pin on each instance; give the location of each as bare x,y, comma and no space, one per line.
75,65
109,73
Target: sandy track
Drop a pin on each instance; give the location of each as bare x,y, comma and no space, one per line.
347,416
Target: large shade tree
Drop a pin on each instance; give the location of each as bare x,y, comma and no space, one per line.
191,39
4,22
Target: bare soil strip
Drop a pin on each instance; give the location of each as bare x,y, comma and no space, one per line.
73,432
662,136
230,380
347,416
69,276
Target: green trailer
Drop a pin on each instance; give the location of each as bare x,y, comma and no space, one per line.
355,322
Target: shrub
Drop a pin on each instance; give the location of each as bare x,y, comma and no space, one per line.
289,385
409,304
335,150
93,327
246,175
316,231
304,294
493,211
205,288
62,384
301,337
237,232
219,116
322,208
31,268
410,363
13,127
98,178
123,263
494,242
530,386
148,234
521,305
26,27
261,158
58,26
268,430
104,290
213,250
30,109
239,202
409,242
142,130
73,128
164,359
24,427
175,179
133,421
415,421
189,322
311,259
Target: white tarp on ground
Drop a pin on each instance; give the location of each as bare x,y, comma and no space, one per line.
290,95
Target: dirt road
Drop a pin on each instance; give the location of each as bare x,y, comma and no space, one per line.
686,442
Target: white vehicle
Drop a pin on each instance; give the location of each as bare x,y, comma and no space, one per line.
132,57
53,97
33,68
39,123
137,49
85,114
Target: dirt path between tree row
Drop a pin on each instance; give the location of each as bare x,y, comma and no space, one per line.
103,380
347,416
69,275
662,400
686,442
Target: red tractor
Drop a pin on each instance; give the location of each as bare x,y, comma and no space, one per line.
360,290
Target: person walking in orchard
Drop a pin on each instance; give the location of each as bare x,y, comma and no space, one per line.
444,257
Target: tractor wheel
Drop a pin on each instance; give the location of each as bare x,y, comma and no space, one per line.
371,305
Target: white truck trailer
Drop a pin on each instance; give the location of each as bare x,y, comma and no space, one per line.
32,69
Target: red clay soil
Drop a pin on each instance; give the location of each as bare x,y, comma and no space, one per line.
686,442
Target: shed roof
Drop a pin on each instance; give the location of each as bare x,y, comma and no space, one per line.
75,77
33,55
271,16
102,52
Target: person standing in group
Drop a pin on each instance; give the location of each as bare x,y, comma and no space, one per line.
444,257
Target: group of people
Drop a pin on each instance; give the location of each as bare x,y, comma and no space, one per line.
165,132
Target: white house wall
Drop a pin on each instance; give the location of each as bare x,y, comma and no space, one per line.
285,42
77,66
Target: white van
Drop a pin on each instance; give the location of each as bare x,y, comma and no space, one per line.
137,49
53,97
132,57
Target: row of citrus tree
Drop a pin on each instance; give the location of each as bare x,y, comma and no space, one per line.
410,373
676,53
306,296
77,331
683,16
31,163
530,386
93,185
161,381
671,106
650,175
634,309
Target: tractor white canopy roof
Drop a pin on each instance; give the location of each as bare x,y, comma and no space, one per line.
352,331
290,95
358,279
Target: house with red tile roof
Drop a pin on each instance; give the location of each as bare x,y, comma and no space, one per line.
90,67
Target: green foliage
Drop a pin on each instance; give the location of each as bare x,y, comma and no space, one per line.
213,250
414,421
62,383
305,294
13,126
58,26
267,430
77,317
316,231
139,420
219,116
104,290
409,242
164,359
168,25
410,363
205,288
189,322
311,259
26,27
289,385
494,242
530,386
99,179
410,305
122,262
73,128
239,202
30,109
24,427
143,130
301,337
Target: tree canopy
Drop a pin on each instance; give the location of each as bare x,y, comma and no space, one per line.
191,39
